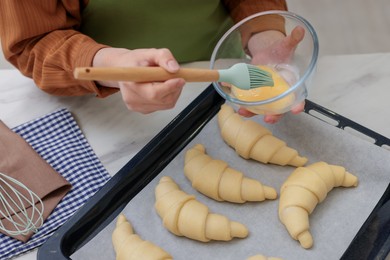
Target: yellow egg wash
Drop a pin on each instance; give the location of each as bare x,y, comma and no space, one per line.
263,93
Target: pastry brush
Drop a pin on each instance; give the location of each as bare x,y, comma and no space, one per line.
241,75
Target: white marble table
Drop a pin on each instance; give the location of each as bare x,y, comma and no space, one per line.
355,86
115,133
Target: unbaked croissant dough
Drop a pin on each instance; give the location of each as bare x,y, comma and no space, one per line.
261,257
128,245
183,215
215,179
303,190
252,140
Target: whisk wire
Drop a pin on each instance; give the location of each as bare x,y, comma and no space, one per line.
15,205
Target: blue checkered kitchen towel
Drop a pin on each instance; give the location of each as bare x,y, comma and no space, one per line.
57,138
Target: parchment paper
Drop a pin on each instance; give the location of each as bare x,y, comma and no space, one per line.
333,224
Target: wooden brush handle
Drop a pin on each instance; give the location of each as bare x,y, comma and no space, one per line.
144,74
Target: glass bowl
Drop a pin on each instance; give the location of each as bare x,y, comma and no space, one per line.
297,71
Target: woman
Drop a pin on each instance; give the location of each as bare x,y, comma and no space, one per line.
47,39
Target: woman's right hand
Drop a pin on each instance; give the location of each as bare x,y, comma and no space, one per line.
142,97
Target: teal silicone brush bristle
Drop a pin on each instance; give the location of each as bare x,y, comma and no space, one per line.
246,76
259,77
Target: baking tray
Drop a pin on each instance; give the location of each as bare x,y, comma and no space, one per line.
371,242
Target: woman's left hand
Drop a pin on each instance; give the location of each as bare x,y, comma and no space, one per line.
273,47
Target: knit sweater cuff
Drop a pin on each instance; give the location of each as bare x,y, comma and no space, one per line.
85,59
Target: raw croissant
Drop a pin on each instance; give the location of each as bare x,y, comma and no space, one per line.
128,245
252,140
216,180
303,190
261,257
183,215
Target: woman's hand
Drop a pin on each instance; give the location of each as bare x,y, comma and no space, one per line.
273,47
143,97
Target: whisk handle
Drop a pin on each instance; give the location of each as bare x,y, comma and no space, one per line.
144,74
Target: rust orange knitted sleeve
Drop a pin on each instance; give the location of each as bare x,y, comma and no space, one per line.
240,9
40,38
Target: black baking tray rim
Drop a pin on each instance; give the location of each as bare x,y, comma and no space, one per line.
371,242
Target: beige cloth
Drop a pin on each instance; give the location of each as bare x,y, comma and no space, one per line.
19,161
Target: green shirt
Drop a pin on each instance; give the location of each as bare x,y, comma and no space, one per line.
189,28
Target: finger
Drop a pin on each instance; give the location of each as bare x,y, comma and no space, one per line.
225,84
154,92
143,107
152,57
167,88
165,59
295,37
150,97
272,119
172,94
298,108
244,112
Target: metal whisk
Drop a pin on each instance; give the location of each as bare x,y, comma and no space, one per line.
21,210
